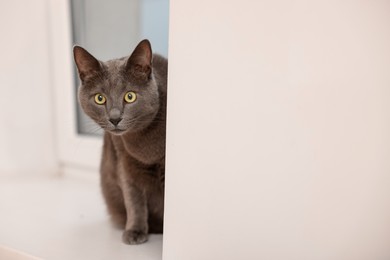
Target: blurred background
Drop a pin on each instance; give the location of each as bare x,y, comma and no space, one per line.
44,134
38,78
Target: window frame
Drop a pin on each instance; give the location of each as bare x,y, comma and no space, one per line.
74,149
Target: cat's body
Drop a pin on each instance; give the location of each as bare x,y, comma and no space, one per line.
133,159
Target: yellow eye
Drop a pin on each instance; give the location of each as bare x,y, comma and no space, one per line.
130,97
100,99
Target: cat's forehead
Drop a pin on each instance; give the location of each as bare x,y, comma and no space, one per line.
114,71
115,66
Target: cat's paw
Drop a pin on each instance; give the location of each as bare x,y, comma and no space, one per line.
134,237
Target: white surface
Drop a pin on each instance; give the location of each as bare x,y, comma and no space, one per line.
278,130
11,254
63,218
26,114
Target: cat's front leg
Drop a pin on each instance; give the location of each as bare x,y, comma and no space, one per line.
136,229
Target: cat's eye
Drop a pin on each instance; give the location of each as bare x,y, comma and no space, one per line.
130,97
100,99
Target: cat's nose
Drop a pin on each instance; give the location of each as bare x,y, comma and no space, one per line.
115,116
115,121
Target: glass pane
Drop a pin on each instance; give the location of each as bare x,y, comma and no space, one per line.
111,29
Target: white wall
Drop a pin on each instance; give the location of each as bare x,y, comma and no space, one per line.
278,130
26,114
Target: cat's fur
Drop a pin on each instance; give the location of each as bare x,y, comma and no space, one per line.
133,161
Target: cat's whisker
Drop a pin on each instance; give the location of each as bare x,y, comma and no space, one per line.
93,131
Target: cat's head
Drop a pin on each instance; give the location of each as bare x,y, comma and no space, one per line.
120,95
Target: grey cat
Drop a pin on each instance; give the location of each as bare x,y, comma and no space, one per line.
127,98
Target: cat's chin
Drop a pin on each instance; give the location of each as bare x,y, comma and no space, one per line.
117,131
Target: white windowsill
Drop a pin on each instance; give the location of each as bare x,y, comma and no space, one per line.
62,218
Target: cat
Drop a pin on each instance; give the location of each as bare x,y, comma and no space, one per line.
127,98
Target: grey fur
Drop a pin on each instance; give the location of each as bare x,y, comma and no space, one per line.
133,159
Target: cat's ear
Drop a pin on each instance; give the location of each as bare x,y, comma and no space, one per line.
139,63
87,65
